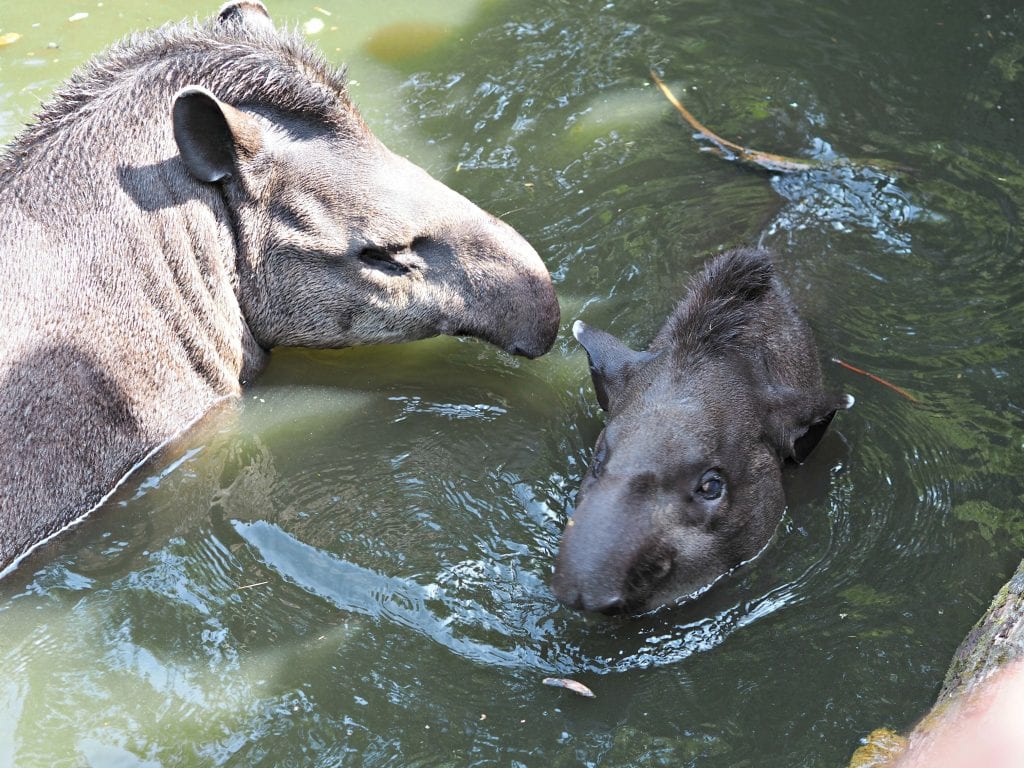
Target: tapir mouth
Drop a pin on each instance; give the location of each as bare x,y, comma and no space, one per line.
529,351
529,347
513,348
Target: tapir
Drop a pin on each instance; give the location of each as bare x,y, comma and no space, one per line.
189,200
685,481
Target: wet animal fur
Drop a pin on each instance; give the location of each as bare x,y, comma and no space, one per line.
140,284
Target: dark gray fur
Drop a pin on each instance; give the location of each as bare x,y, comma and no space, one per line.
190,199
729,389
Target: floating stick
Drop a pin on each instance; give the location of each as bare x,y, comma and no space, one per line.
877,379
730,150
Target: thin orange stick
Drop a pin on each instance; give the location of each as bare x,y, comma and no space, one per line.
877,379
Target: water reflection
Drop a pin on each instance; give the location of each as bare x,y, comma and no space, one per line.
845,196
402,602
493,606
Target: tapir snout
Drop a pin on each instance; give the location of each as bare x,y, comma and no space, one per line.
611,556
503,294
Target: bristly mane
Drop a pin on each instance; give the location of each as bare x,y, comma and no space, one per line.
717,310
240,64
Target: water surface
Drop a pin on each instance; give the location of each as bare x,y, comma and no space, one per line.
351,567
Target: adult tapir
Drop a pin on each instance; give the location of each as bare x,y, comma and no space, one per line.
192,198
685,482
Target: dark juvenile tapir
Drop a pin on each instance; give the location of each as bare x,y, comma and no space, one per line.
190,199
685,482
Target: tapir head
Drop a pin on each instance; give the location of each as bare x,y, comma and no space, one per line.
685,481
341,242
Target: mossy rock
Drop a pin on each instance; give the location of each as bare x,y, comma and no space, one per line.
881,747
996,640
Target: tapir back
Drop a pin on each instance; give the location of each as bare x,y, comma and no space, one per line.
119,324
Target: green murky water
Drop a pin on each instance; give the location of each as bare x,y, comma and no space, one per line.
352,569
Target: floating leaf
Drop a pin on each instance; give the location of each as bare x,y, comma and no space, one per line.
405,40
572,685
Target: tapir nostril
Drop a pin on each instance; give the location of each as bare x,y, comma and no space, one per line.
649,572
608,605
600,603
574,598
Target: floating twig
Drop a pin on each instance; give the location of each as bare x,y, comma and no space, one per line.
877,379
572,685
250,586
730,150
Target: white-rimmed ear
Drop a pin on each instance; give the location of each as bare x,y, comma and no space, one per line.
213,137
249,12
798,419
611,361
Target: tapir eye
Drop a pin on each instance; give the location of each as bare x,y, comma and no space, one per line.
712,486
383,259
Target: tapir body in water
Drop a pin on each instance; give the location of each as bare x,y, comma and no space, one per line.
685,481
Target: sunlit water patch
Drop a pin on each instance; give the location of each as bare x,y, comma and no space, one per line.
845,196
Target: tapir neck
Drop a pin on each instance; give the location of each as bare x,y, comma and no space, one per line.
117,329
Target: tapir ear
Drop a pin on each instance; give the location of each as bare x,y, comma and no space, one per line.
250,12
212,136
797,420
611,361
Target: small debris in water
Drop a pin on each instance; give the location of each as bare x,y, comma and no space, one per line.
313,26
318,9
78,16
9,37
731,151
572,685
250,586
